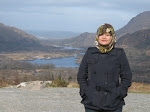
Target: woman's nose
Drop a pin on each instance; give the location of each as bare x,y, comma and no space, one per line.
104,36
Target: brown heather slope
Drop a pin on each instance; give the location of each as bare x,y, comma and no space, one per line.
140,22
12,38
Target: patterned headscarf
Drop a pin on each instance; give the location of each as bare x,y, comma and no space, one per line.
100,31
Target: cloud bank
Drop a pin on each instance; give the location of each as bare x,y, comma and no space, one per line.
69,15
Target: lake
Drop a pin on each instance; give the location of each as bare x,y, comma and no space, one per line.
59,62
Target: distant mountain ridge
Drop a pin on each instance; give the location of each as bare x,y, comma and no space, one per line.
80,41
51,35
84,40
140,22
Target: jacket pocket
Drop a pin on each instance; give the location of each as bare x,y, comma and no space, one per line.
83,95
112,98
122,92
93,97
87,97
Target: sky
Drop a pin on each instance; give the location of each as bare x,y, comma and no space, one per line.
69,15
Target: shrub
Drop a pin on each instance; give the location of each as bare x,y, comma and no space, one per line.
57,83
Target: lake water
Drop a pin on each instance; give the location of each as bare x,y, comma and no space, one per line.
71,48
59,62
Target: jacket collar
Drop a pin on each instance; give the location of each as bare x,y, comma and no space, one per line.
111,52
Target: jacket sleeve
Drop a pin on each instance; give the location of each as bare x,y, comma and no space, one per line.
82,75
125,75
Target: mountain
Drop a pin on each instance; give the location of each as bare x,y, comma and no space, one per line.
13,39
84,40
139,40
141,21
137,48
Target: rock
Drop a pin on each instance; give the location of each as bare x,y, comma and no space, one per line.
33,85
23,84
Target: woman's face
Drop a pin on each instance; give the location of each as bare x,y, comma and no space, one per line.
104,39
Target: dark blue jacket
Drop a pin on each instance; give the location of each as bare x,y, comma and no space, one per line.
104,79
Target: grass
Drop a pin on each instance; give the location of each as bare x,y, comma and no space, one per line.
135,87
57,83
75,85
139,88
140,92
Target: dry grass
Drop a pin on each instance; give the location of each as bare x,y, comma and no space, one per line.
33,55
135,87
4,84
139,87
71,84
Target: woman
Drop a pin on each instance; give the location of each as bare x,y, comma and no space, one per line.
100,86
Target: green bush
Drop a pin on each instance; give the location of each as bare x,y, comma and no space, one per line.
57,83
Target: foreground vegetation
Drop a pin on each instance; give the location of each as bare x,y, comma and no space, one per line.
15,72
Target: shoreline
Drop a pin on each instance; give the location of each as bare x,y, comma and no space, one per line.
30,56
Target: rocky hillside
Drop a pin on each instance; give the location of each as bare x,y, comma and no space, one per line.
137,48
139,39
13,39
141,21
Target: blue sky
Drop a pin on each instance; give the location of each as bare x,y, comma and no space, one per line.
69,15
